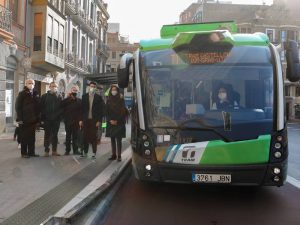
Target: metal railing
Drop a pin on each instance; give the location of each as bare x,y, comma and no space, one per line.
5,18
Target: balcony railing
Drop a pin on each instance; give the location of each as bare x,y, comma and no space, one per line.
5,18
70,6
102,49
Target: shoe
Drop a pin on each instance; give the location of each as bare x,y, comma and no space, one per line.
84,155
67,153
35,155
94,156
119,159
55,154
19,146
113,157
46,154
25,156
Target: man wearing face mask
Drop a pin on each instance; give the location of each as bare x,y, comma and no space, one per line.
51,113
27,109
91,118
72,113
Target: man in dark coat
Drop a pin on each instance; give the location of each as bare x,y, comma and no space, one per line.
92,112
72,114
51,117
27,109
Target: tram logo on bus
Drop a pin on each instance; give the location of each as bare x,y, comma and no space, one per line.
188,154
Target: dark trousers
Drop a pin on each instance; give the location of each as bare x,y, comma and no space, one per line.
50,137
116,143
27,137
72,134
90,135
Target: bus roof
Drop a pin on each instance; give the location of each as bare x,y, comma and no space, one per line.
175,35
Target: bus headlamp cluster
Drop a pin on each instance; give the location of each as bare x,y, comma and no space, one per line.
277,145
147,152
146,144
277,155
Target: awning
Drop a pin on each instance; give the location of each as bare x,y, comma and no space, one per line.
103,78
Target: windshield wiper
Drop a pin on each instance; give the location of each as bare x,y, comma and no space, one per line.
205,127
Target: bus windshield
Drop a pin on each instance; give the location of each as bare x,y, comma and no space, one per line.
230,92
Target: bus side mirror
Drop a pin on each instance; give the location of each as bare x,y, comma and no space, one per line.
124,70
292,59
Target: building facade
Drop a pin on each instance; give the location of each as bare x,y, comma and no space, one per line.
86,48
49,40
118,45
12,58
279,21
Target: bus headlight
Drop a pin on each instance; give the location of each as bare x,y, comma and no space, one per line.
146,143
145,137
276,171
277,145
148,167
276,178
147,152
277,155
279,138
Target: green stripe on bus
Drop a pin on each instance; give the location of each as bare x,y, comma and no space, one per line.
241,152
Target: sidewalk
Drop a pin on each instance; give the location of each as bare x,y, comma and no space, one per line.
23,181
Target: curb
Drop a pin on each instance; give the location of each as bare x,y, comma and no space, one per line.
96,187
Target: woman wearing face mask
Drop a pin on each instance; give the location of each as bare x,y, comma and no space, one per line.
115,115
225,100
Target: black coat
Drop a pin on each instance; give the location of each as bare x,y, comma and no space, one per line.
71,110
51,107
27,107
118,113
97,108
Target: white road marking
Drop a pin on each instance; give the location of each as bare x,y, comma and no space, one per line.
76,160
293,181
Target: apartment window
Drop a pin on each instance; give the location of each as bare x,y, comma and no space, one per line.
271,34
74,41
55,37
90,53
243,30
14,7
61,41
297,91
92,12
49,33
292,35
113,55
83,48
38,25
287,91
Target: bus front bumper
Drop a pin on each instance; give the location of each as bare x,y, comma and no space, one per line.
242,175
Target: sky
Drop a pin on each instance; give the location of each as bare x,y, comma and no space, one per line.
142,19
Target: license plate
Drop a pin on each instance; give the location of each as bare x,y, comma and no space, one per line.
211,178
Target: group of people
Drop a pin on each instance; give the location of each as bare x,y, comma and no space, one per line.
82,118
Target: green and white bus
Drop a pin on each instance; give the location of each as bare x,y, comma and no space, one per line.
208,106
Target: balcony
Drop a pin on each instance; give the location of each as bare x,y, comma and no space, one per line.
76,64
70,7
102,49
103,7
5,24
81,18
